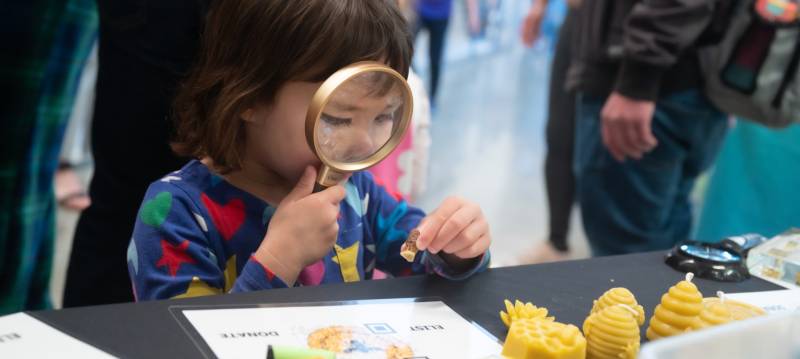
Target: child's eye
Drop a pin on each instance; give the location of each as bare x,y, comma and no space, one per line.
384,118
335,121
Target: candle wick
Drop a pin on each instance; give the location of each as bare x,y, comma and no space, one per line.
689,277
635,314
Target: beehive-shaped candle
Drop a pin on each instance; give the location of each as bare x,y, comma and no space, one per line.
536,338
616,296
677,310
521,310
713,313
739,310
612,333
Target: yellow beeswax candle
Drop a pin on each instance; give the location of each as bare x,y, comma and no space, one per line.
543,339
677,310
713,313
739,310
612,332
521,310
616,296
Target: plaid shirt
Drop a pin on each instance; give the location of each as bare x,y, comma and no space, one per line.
44,46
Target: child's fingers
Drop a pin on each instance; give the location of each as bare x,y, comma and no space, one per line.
431,224
459,221
330,214
479,247
333,195
457,244
467,237
304,186
332,232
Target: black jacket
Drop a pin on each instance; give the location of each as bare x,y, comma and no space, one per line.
640,48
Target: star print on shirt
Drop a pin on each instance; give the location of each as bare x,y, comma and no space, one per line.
173,256
347,258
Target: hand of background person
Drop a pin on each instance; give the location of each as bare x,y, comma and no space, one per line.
473,17
626,127
532,24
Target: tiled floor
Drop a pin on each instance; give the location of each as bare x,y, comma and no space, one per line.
487,136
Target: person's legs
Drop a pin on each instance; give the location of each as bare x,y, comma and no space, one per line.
559,178
707,144
48,42
437,29
70,190
643,205
416,27
130,144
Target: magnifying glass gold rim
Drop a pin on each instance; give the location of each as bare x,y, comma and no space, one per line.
323,95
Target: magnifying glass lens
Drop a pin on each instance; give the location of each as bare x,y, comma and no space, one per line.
361,116
710,253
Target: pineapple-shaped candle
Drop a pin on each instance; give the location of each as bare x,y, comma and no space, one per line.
616,296
521,310
677,310
612,333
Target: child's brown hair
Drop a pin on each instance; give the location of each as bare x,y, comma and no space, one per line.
251,48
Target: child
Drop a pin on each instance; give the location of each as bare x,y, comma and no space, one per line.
243,217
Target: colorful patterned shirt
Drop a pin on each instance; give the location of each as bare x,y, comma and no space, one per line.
195,235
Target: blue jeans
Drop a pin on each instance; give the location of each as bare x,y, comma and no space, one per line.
643,205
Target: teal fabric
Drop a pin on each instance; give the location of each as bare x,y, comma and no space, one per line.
755,187
43,49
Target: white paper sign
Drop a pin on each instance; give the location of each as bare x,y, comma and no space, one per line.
22,336
775,301
421,329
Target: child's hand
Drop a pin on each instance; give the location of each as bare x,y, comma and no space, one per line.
303,230
457,227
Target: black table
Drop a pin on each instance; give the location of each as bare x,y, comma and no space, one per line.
149,330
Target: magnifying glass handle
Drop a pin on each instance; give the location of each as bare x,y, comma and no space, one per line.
318,187
328,177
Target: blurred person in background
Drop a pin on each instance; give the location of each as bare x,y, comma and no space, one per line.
44,48
645,131
560,133
433,16
145,49
71,193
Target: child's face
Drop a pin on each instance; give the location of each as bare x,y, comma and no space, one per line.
357,122
276,133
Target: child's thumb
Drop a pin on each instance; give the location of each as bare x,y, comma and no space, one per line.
304,186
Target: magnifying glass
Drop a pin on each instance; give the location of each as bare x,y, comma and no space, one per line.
724,261
357,118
